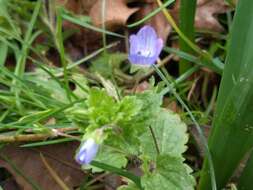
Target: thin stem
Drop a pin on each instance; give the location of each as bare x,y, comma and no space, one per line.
202,137
103,15
155,141
38,137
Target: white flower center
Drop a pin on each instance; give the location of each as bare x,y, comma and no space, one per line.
145,53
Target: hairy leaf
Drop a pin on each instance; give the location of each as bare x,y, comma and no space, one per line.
170,173
170,134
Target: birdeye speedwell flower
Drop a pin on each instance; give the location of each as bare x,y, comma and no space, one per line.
145,47
87,152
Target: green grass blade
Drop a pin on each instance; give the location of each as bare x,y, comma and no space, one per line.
232,135
187,15
216,65
48,142
3,53
61,50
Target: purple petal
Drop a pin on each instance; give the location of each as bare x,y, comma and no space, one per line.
87,152
158,47
134,44
147,38
141,60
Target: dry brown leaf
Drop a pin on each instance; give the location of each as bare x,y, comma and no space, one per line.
28,160
77,6
206,14
116,13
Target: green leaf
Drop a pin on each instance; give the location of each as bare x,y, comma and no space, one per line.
151,107
170,134
169,173
104,110
109,156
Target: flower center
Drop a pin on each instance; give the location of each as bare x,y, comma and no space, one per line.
145,53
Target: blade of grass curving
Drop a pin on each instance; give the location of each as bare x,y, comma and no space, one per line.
151,14
232,135
187,18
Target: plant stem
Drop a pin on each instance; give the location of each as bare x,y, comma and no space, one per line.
103,15
202,137
155,141
37,137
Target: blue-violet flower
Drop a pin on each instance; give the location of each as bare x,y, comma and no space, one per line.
87,151
145,47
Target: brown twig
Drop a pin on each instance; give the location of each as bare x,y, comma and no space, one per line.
37,137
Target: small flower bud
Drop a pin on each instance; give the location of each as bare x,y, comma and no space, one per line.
87,151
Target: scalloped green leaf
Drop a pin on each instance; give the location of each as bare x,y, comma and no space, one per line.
170,134
169,173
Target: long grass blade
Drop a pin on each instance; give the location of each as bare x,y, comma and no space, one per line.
187,17
232,132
